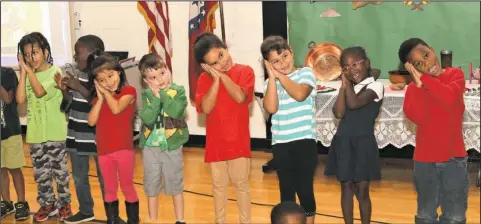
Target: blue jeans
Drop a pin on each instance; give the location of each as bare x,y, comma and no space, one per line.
80,173
442,184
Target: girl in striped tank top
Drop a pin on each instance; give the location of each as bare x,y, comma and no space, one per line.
289,97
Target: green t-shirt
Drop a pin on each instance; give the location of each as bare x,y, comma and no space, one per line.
45,121
157,137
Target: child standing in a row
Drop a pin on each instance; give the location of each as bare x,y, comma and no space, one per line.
290,97
80,136
113,113
434,102
11,148
46,125
165,132
354,154
224,92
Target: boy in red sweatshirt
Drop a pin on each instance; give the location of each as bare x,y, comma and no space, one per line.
434,102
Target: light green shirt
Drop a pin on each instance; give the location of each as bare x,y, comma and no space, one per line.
45,121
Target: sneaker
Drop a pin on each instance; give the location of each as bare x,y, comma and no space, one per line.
179,222
65,212
7,208
45,212
79,218
22,211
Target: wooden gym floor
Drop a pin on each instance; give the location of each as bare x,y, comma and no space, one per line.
393,198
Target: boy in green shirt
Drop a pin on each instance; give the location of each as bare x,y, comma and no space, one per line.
165,132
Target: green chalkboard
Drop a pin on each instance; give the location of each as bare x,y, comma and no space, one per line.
380,29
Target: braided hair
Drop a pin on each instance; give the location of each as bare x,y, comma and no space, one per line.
36,38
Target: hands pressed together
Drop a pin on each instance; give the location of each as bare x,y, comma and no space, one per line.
214,73
68,81
271,72
24,68
345,81
415,74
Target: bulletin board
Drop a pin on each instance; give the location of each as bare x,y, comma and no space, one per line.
381,28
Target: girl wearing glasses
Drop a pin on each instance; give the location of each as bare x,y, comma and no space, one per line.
354,156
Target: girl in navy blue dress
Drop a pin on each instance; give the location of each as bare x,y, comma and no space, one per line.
354,155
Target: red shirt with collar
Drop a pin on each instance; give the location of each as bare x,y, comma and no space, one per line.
437,108
114,132
227,125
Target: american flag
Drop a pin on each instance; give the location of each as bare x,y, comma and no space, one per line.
201,19
156,14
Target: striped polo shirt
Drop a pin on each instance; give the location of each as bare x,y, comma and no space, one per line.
294,120
80,136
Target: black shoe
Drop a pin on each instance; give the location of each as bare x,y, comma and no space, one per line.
79,218
132,212
112,212
22,211
7,208
178,222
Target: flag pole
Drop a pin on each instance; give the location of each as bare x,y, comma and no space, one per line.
221,7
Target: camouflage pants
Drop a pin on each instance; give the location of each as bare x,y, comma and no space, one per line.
49,160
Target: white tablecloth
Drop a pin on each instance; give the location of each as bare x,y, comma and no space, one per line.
392,127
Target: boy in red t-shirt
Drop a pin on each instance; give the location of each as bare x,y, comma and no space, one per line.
434,102
224,92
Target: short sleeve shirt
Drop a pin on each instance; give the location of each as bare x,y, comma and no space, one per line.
227,125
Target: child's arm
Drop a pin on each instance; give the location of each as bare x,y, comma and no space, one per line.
95,111
415,104
301,90
206,96
271,100
74,84
60,84
374,91
149,112
242,91
117,106
7,96
340,105
175,105
37,87
9,84
21,92
448,94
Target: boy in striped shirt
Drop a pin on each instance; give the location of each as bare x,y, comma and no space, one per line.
290,97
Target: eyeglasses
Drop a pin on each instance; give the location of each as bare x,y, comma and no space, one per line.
351,66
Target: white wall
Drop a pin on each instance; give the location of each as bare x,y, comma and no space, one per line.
122,27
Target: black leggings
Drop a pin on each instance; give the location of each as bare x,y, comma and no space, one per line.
296,163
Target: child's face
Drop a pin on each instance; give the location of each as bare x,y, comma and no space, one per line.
283,62
219,58
109,79
355,68
424,60
34,56
81,55
158,77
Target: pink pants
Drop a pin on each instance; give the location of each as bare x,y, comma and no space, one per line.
118,167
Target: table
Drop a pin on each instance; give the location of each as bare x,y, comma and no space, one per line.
392,127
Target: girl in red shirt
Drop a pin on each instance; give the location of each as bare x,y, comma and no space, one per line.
112,113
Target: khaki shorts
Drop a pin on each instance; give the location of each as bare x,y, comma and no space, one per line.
12,152
163,169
